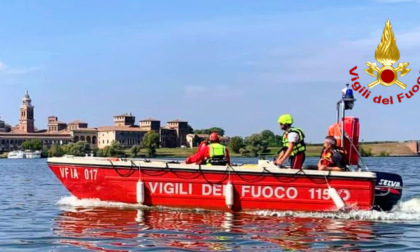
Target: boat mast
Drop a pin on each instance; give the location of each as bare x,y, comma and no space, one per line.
346,103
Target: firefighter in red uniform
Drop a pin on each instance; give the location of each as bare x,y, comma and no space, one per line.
203,144
213,153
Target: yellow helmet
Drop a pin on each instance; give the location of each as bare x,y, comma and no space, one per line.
285,119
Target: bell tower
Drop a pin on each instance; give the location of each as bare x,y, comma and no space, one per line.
26,121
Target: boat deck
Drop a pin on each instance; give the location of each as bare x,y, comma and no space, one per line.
263,166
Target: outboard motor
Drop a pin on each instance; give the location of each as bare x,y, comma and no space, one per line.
388,190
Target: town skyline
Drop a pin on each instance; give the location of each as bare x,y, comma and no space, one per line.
82,120
124,131
238,67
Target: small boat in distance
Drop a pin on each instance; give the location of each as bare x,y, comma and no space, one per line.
24,154
16,154
32,154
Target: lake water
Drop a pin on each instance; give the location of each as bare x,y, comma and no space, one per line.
38,214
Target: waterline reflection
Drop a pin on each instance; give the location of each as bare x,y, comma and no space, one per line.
123,229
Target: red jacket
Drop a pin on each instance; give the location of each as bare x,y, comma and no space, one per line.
202,154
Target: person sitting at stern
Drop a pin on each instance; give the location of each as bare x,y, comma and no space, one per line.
332,157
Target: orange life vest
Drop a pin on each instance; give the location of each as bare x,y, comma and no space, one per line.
334,131
326,158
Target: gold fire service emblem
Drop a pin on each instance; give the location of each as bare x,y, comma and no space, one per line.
387,53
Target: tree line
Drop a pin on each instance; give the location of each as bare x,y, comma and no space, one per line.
208,131
253,145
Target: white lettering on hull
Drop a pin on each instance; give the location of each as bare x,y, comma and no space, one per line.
170,188
91,174
322,194
278,192
218,190
215,190
66,173
247,191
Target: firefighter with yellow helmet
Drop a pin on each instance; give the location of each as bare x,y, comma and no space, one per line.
293,143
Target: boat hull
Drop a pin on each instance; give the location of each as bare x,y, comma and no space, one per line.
186,186
32,155
16,155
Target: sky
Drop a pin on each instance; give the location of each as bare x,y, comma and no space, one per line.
237,65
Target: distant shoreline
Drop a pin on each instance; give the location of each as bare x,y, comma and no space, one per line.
382,149
386,149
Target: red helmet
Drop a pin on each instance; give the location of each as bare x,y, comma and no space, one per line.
214,137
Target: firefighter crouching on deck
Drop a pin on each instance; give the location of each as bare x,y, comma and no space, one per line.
293,143
213,153
332,157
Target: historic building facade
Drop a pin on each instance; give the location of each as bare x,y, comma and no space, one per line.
150,124
124,131
181,128
77,129
168,137
57,133
12,141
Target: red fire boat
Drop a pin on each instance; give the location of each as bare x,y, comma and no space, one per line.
262,186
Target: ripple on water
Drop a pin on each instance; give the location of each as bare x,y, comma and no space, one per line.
36,216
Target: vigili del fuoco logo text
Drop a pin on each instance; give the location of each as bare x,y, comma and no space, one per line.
387,54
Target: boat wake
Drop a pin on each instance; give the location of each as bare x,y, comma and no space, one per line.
71,202
408,210
404,211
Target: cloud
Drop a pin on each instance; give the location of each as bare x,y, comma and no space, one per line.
21,71
2,66
405,40
331,62
6,70
396,1
194,91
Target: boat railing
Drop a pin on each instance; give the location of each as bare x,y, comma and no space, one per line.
359,168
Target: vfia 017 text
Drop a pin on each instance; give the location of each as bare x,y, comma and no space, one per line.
365,92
